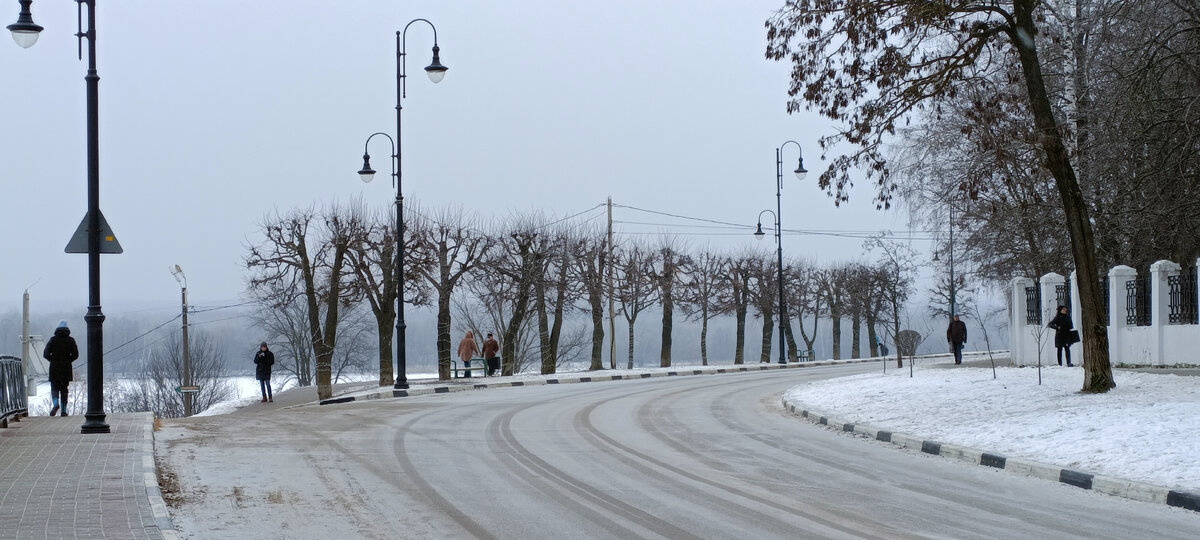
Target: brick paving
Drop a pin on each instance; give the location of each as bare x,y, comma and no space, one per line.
58,483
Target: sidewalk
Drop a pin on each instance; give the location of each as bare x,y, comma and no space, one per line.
58,483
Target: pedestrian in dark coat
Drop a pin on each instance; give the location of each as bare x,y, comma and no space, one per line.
1063,335
263,360
956,334
61,351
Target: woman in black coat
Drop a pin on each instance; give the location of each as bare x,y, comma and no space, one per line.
61,350
1062,326
262,370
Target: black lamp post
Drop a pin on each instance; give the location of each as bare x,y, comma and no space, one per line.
25,33
800,174
436,72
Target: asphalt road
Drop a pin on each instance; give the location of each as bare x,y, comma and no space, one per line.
711,456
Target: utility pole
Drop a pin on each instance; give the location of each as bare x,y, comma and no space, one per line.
187,359
612,332
30,384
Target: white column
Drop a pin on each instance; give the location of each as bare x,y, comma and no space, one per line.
1076,315
1160,304
1117,276
1049,284
1020,342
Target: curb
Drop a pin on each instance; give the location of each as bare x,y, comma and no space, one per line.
705,370
158,506
1081,479
698,370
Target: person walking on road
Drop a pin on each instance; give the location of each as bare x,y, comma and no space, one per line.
61,351
956,334
467,349
263,360
490,348
1064,335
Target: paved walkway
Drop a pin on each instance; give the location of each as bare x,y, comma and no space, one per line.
58,483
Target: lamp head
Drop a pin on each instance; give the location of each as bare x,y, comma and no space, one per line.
25,32
759,234
367,173
435,69
800,171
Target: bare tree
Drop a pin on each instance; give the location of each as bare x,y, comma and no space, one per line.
286,326
804,298
871,64
297,262
665,273
698,296
155,388
764,296
735,298
372,256
635,287
446,247
589,253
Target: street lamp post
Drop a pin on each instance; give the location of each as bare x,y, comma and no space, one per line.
187,356
436,72
800,174
25,33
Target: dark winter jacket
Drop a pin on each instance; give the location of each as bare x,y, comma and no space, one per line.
61,350
262,364
957,332
1062,326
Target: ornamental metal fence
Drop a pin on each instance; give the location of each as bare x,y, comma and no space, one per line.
1033,305
1182,292
1137,301
12,389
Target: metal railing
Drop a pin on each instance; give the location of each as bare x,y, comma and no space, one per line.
12,389
1182,291
1137,301
1033,305
1063,294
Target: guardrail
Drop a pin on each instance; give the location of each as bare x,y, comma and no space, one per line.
13,403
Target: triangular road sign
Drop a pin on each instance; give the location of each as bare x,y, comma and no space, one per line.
108,241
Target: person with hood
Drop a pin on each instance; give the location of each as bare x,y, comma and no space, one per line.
467,349
956,334
1063,335
61,351
490,348
263,360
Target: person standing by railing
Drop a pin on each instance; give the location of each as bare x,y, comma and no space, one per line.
61,351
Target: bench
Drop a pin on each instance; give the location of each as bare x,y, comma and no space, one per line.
476,364
803,356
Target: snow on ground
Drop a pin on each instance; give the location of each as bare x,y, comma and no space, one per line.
1147,429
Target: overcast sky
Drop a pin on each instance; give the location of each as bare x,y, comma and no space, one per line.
215,113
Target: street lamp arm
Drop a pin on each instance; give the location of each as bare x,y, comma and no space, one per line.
435,69
774,216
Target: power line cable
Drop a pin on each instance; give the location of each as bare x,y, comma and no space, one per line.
143,335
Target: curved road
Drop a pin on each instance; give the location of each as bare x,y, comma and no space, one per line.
709,456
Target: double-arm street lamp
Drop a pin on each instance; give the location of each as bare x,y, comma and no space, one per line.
800,174
25,33
436,72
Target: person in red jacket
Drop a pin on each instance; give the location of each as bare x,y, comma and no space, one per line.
490,348
467,350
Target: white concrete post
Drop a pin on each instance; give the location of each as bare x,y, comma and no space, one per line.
1160,304
1018,332
1076,315
1117,276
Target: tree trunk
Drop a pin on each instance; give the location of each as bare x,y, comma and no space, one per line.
791,342
739,350
872,337
443,336
1097,371
386,332
594,298
767,333
668,307
835,317
855,333
543,320
704,334
631,321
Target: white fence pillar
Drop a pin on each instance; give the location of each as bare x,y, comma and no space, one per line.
1076,314
1020,342
1117,305
1160,305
